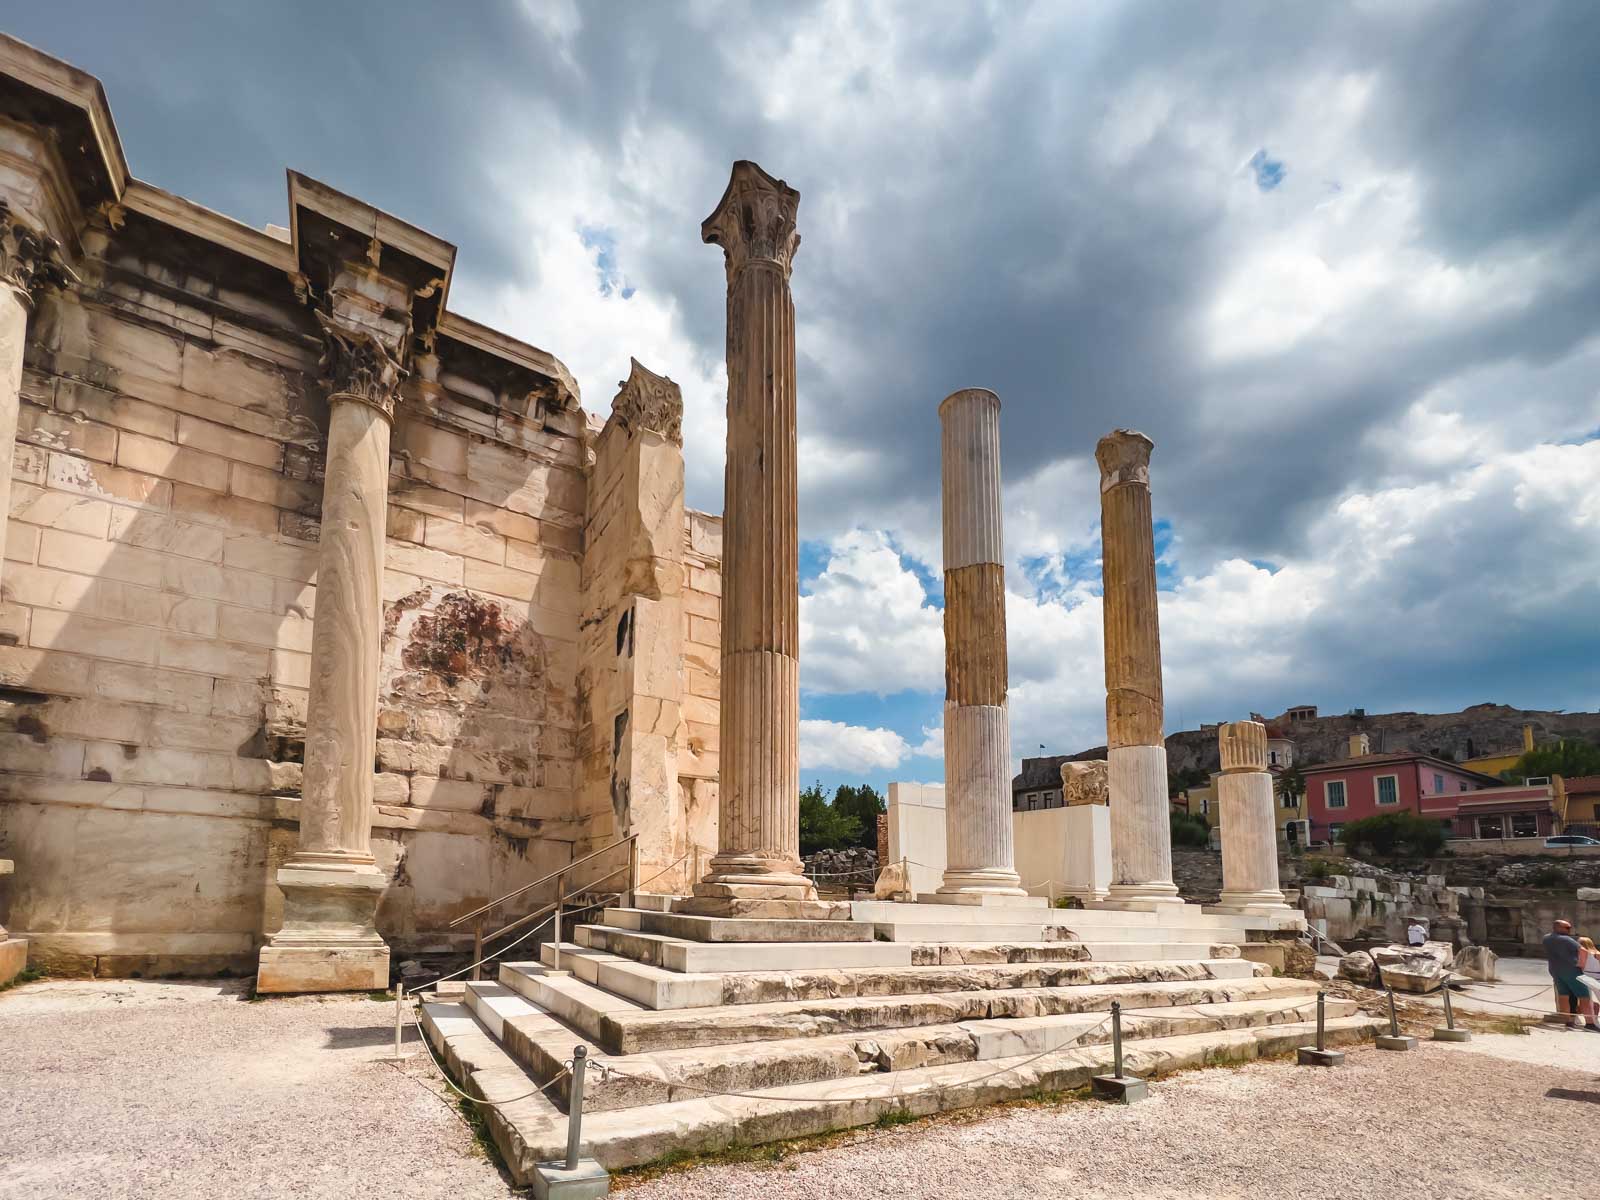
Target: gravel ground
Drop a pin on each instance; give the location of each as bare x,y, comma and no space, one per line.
1438,1121
112,1089
141,1089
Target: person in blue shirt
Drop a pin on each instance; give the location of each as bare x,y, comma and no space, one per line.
1565,957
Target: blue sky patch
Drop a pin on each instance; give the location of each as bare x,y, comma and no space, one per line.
1269,172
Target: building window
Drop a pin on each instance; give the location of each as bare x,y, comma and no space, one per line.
1491,827
1438,782
1524,825
1272,758
1335,792
1388,789
1288,801
1334,832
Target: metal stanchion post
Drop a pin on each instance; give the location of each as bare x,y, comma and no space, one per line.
1394,1039
1118,1086
574,1177
1319,1055
1450,1033
555,945
477,950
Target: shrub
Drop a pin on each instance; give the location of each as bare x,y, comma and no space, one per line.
1320,868
1190,831
1549,877
1391,833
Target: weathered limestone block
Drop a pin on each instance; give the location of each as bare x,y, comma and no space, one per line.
1414,968
1356,966
1476,962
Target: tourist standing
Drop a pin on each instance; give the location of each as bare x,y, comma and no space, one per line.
1564,957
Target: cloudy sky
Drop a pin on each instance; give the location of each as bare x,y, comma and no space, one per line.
1342,264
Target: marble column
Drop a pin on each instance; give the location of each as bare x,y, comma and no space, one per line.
1249,829
1141,838
757,864
977,731
332,884
29,259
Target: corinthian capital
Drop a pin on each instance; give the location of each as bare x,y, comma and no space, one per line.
29,258
650,401
1124,457
754,221
360,363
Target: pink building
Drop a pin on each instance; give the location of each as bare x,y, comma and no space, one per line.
1365,785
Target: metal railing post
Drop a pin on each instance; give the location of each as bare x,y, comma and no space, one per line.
561,899
1449,1017
1116,1038
399,1000
477,950
580,1060
1394,1021
1322,1016
633,873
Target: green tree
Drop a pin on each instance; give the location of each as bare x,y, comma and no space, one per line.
1570,757
1189,831
864,804
822,826
1290,785
1393,833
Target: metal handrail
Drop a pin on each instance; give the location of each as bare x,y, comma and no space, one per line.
523,920
527,887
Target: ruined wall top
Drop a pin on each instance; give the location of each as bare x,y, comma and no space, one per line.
1124,457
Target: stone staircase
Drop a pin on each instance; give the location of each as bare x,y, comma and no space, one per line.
706,1032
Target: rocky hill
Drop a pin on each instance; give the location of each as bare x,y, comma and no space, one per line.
1480,729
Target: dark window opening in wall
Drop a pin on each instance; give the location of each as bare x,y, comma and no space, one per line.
1524,825
625,633
1491,827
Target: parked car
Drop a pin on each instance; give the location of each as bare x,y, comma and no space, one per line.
1570,839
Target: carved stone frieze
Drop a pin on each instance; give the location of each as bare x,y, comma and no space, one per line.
650,401
29,258
755,221
357,364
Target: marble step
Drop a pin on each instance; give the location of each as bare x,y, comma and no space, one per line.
681,954
653,988
1157,951
622,1027
665,1076
735,929
995,930
527,1132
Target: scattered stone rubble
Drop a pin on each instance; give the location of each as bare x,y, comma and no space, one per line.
855,866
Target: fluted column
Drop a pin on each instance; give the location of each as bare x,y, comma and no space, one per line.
332,884
1249,830
977,731
758,834
1141,838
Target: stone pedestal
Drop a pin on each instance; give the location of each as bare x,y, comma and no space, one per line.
1088,853
1249,835
977,730
757,864
332,885
13,951
1141,838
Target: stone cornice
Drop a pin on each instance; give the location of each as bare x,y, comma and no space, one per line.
754,222
1124,457
650,401
30,260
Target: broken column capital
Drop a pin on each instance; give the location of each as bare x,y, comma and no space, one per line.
1085,782
1124,457
754,222
30,259
650,401
1242,746
366,335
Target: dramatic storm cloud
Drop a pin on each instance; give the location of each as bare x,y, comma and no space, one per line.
1342,264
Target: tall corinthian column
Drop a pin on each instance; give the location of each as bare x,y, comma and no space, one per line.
758,835
331,886
977,731
1249,831
1141,838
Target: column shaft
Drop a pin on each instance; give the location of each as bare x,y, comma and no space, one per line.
1249,829
977,743
13,340
342,709
1141,839
758,836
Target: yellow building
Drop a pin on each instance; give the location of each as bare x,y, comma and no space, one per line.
1493,764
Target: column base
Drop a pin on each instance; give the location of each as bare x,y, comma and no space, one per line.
13,957
981,881
1143,893
1265,902
329,941
739,888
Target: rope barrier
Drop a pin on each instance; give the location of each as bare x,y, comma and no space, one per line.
445,1075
